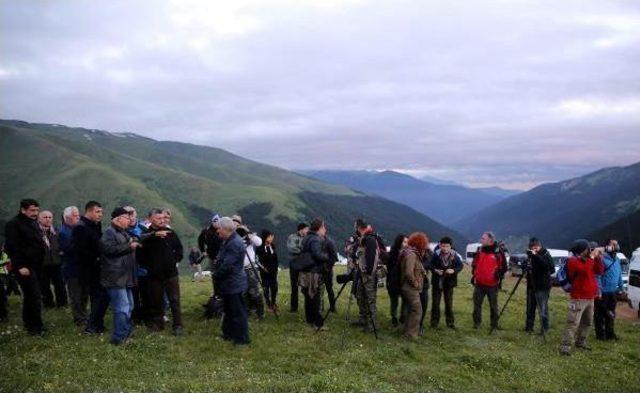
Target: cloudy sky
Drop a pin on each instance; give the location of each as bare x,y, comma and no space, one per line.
510,93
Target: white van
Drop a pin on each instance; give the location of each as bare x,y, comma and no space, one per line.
559,259
472,248
633,290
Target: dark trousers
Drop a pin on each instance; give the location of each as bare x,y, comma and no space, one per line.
99,301
605,316
312,307
437,295
79,299
327,277
157,287
270,288
4,310
293,277
394,301
31,301
537,300
141,303
479,294
424,302
235,323
52,276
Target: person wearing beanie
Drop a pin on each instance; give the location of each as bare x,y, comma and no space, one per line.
294,246
582,269
538,271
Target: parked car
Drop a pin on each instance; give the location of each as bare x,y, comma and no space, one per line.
633,290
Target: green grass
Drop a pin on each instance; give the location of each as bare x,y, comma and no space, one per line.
286,355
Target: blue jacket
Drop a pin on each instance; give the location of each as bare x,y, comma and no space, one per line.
69,260
611,280
229,273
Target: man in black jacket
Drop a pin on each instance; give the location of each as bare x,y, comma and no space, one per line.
210,242
118,272
310,280
445,265
86,237
538,272
25,248
159,254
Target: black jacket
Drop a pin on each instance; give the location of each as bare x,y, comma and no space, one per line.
160,255
24,243
315,246
51,252
118,269
210,242
268,258
438,263
370,244
86,239
540,269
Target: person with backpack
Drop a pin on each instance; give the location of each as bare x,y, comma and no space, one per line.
445,266
538,270
26,249
488,268
610,284
368,257
581,272
412,275
294,247
310,264
255,300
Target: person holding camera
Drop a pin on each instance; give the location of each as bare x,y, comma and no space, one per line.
582,270
610,284
445,266
412,276
252,241
489,266
538,270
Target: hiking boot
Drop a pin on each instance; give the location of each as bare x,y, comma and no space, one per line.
178,331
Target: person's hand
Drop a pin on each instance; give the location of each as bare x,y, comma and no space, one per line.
438,272
25,272
449,271
161,234
134,245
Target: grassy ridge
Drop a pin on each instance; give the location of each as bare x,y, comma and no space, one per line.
286,355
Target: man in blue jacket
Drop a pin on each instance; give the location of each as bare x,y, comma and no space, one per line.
232,281
610,284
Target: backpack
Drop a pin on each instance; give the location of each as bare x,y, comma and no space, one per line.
563,278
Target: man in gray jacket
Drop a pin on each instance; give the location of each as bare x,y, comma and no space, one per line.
118,272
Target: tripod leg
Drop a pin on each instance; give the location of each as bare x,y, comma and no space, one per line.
507,302
326,315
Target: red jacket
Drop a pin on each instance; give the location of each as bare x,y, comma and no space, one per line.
582,274
488,267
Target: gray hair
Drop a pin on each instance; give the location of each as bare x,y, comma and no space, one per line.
68,211
227,224
130,209
491,235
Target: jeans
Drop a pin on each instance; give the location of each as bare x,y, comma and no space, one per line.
479,294
235,323
537,300
31,301
121,307
270,287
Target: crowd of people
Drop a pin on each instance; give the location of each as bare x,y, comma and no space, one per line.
131,266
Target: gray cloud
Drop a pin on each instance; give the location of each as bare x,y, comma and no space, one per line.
509,93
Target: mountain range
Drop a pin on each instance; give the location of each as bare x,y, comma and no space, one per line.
61,166
446,203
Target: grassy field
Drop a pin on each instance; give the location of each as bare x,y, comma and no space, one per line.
286,355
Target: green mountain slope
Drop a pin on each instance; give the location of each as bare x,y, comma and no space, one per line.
561,212
61,166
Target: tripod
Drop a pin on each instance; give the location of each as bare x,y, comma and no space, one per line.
507,302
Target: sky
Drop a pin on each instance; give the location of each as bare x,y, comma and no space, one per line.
487,93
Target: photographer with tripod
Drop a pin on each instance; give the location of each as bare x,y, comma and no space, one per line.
538,270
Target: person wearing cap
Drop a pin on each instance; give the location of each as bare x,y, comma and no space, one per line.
209,243
582,269
294,246
118,272
538,271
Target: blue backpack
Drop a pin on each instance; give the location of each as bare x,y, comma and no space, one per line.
563,278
